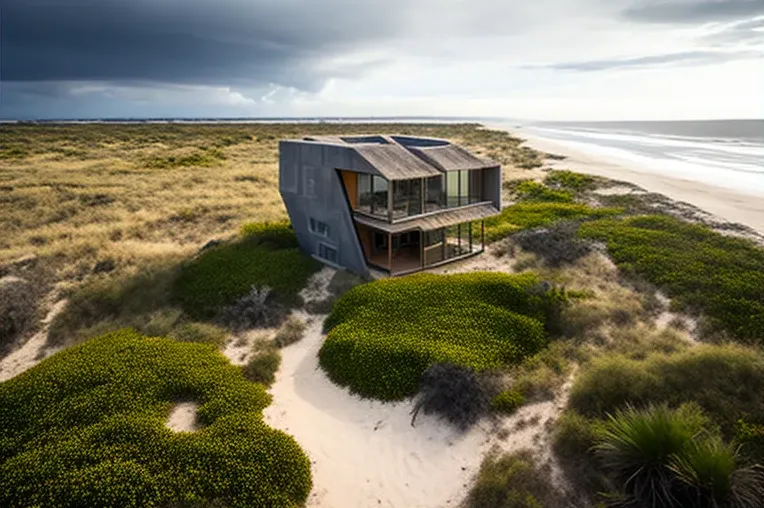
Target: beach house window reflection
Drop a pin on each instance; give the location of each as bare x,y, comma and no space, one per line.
476,186
464,188
452,188
379,189
364,192
407,198
435,194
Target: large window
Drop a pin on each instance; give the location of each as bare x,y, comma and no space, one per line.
364,192
476,186
435,196
452,188
379,196
372,194
464,188
407,198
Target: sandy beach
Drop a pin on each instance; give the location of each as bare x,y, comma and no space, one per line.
727,204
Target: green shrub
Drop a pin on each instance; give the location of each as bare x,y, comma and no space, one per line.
701,270
223,274
85,427
564,179
531,215
513,481
384,334
263,365
528,190
507,402
290,332
277,234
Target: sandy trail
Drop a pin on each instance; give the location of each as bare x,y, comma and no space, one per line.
32,351
366,453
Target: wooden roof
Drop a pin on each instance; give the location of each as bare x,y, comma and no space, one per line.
434,220
402,158
451,158
395,162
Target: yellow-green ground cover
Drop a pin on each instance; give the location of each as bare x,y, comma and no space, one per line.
86,428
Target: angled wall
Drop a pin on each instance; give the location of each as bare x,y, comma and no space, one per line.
311,187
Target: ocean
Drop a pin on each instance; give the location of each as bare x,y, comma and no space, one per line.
726,153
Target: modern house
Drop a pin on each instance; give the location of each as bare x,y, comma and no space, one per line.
396,204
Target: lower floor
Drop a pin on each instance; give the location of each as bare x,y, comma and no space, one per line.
410,251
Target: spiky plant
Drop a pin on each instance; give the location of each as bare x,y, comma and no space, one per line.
637,446
710,477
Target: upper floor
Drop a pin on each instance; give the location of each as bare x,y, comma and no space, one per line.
391,178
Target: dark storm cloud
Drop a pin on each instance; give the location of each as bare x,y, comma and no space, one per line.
232,42
693,11
672,59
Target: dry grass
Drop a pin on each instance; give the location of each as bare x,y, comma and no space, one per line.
98,204
80,194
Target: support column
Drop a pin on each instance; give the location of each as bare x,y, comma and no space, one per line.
390,252
421,248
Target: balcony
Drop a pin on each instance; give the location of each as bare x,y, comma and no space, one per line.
416,196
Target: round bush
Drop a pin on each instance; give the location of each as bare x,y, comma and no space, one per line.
86,428
384,334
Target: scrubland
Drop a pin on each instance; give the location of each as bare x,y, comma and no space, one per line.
178,233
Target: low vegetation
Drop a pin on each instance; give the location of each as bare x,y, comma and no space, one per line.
674,427
290,332
726,381
86,428
513,481
507,401
570,181
537,214
665,457
221,275
383,335
452,392
704,272
528,190
263,365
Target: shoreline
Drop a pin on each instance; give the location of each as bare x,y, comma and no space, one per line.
727,204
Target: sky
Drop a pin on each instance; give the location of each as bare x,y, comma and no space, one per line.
558,60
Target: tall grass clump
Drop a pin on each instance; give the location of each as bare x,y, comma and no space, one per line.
86,427
532,215
383,335
670,458
704,272
220,276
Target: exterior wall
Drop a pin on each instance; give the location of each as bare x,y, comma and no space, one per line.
492,186
311,187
